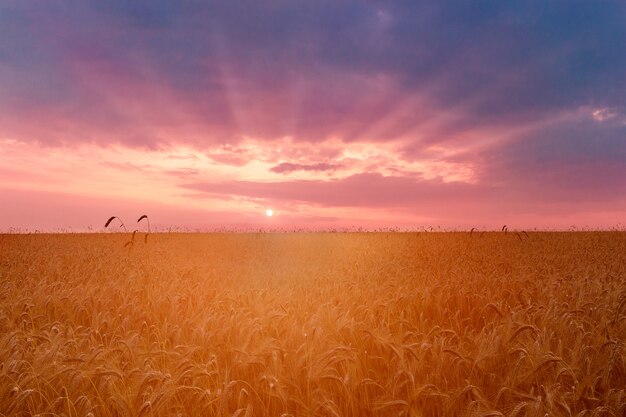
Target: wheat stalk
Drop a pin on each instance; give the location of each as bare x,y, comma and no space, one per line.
108,222
144,216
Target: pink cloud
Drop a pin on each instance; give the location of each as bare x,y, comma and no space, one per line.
364,107
360,190
230,155
451,204
287,167
53,211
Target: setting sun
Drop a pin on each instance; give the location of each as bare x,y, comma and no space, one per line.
269,212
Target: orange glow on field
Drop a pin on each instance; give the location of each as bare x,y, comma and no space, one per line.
362,324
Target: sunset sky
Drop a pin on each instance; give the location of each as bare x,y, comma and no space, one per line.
332,113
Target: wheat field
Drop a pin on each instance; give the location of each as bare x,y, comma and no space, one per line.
313,324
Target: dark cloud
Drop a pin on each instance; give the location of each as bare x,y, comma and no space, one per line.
145,14
574,162
227,69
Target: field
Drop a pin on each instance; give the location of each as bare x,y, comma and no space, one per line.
327,324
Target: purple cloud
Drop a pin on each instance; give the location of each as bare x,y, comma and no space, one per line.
213,72
360,190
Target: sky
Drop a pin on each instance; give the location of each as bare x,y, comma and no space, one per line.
336,114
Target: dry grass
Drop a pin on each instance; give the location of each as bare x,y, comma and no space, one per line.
433,324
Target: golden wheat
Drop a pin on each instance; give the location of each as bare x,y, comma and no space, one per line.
360,324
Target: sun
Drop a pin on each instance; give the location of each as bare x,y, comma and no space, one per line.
269,212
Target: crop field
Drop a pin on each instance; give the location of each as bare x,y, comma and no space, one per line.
313,324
